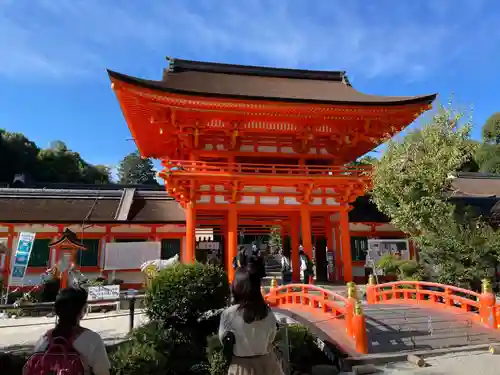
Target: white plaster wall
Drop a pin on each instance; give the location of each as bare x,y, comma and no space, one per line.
93,229
130,277
130,229
359,227
37,228
385,228
171,228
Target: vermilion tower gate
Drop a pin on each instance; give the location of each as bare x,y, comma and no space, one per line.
262,146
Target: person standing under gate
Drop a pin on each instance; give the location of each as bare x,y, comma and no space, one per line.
286,267
306,266
253,326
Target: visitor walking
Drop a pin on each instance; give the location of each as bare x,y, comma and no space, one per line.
241,259
253,327
306,266
258,265
84,350
286,267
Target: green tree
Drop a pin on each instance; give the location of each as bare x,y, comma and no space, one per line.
412,183
59,164
275,239
17,155
55,164
134,169
488,154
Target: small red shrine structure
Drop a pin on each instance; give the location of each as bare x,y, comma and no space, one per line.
66,248
248,147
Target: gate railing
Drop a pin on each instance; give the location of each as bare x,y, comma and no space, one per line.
329,304
481,307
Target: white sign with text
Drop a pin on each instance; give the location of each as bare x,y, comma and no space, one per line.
104,292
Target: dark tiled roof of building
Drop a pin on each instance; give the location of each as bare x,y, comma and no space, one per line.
89,206
475,185
364,210
264,83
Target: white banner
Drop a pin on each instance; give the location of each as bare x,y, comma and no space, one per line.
104,292
130,255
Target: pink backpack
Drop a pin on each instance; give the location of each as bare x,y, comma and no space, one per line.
60,358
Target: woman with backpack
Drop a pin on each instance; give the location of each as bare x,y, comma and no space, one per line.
250,326
69,348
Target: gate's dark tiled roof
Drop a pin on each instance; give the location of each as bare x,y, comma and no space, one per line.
257,82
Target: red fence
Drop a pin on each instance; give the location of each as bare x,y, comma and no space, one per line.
328,304
482,307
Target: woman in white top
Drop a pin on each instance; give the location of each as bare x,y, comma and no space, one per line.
254,328
286,267
70,307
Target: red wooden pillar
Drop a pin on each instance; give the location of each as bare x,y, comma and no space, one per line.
305,216
338,253
8,255
189,256
346,244
294,246
232,239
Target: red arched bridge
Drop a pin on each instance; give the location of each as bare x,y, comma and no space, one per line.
394,317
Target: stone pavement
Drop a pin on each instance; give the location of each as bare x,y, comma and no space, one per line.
24,332
465,363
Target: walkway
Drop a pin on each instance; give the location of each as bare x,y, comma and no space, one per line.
24,332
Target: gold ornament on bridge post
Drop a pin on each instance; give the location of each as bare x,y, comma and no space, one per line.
486,286
358,308
150,272
351,290
487,301
370,290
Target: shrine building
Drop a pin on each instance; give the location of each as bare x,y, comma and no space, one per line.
248,148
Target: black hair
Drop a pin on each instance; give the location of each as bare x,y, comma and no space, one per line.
242,257
68,308
246,293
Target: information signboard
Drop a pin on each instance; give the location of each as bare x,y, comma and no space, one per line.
22,257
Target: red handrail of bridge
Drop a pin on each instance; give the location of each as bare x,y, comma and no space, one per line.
330,304
220,168
482,307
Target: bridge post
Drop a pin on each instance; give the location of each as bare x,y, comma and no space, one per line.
349,308
487,302
370,290
359,329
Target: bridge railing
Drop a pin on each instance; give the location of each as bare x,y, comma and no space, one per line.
481,307
326,305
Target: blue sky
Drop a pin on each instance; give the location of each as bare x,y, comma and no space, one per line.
54,86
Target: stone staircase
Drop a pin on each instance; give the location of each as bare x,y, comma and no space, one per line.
273,270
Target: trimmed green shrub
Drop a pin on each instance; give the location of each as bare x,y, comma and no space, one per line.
179,295
217,364
134,358
304,353
181,349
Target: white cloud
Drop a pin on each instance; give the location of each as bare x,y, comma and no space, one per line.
77,38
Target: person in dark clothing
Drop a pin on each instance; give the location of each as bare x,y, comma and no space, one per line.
241,259
286,267
306,267
256,264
